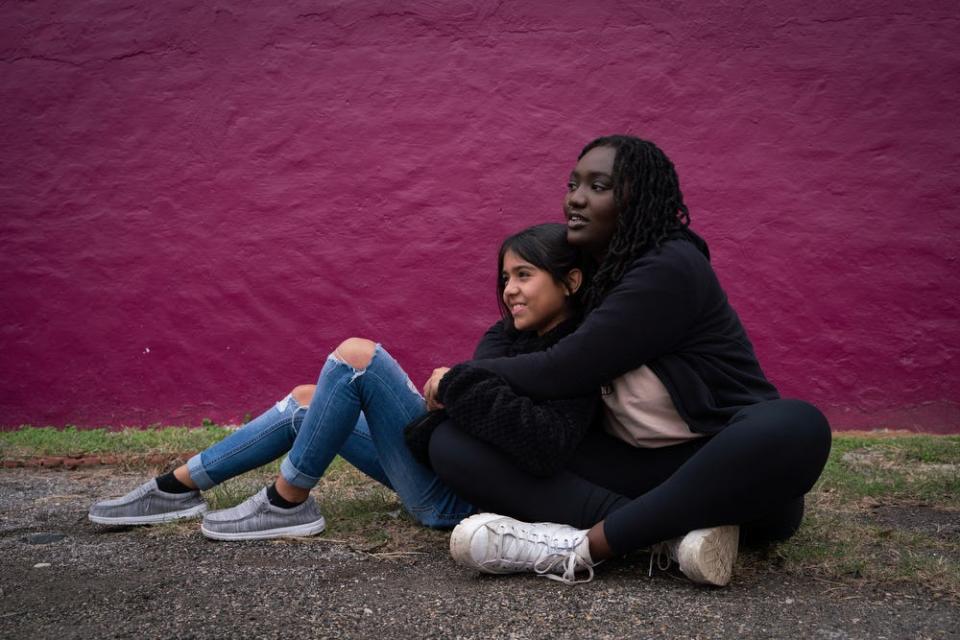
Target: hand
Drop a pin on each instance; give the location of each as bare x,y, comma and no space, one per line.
432,386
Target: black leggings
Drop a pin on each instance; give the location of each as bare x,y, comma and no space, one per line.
753,473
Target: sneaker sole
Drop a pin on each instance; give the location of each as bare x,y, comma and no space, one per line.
707,556
297,531
462,536
156,518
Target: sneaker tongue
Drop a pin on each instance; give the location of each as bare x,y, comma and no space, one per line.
251,505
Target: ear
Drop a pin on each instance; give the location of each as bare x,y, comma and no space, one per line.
573,281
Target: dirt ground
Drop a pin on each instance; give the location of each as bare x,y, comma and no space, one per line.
64,577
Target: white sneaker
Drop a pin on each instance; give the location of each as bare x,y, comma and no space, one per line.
492,543
706,556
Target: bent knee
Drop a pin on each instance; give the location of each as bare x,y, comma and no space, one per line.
356,352
303,394
811,421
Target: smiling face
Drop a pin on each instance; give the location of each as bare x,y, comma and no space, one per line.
589,204
534,299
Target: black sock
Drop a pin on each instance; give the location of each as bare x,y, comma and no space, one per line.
277,500
168,483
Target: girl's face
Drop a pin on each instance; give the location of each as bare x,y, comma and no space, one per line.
535,300
589,206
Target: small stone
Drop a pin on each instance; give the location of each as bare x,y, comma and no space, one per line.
367,611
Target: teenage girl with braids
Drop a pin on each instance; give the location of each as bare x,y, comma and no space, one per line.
696,448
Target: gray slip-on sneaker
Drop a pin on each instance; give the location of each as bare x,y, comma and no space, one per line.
147,504
255,519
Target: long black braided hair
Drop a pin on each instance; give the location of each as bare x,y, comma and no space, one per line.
646,191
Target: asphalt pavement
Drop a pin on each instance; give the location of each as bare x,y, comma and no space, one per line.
64,577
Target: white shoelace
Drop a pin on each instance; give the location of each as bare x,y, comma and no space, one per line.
523,549
659,554
570,563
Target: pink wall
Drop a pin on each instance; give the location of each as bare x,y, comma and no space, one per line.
199,200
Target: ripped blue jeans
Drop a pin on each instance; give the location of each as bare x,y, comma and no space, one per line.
359,414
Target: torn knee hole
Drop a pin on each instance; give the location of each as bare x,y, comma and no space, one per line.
303,394
356,352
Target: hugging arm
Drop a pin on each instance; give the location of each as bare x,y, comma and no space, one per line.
540,436
645,315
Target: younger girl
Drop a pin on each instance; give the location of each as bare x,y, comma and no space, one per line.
359,407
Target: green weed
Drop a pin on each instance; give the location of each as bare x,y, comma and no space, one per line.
47,441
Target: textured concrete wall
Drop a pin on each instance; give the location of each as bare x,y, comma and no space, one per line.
199,200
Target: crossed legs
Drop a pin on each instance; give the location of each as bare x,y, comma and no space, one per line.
753,473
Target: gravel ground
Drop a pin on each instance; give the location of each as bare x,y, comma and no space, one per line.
64,577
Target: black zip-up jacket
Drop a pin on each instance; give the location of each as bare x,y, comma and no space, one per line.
540,436
669,313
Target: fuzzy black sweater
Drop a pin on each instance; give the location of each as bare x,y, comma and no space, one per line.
538,435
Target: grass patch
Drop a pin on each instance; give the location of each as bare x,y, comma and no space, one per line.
836,543
878,513
47,441
885,510
919,468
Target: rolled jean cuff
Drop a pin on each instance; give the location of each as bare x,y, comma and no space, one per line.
296,477
198,474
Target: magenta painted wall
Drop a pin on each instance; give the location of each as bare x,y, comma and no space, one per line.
199,200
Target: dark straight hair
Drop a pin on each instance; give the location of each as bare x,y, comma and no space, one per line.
544,246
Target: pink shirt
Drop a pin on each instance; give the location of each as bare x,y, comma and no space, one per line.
638,410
